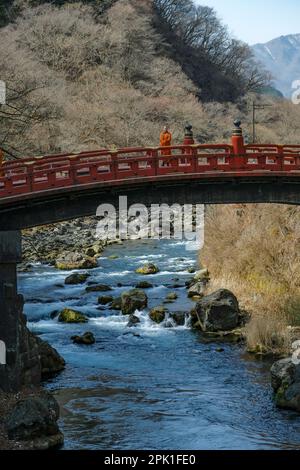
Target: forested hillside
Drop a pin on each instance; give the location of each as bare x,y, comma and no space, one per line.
107,72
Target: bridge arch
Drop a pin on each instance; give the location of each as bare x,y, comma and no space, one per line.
68,203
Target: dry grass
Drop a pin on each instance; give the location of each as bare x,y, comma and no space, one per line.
255,252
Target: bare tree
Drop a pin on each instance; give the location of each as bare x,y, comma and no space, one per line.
199,28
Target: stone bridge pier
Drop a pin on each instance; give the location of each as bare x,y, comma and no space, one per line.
19,362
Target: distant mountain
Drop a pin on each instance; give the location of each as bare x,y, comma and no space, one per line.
281,57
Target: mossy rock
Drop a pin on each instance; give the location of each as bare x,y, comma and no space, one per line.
191,270
144,285
76,278
105,299
68,315
233,337
280,396
158,314
201,275
147,269
133,300
83,263
258,349
98,288
116,304
87,338
172,296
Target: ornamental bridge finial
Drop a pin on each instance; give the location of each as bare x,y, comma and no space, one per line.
237,138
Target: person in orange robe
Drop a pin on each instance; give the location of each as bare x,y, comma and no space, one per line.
166,140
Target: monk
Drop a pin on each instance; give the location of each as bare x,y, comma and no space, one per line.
166,140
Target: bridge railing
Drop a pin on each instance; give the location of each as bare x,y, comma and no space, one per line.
58,171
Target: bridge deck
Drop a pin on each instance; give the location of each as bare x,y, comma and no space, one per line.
33,177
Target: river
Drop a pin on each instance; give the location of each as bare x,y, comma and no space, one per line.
151,387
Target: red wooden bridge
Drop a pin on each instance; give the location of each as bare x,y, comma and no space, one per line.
36,175
215,173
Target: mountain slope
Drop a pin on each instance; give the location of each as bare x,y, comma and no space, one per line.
281,57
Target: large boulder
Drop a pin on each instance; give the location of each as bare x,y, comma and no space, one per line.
76,278
67,315
282,372
51,360
133,300
218,311
147,269
75,260
285,379
34,419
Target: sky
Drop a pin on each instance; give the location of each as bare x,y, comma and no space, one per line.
256,21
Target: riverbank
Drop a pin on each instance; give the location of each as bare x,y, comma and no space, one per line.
48,243
93,375
255,252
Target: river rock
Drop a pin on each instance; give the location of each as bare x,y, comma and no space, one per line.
148,269
158,314
144,285
282,372
133,300
179,317
77,278
285,379
54,314
133,321
191,270
68,315
218,311
98,288
172,296
74,260
87,338
105,299
51,361
90,252
201,275
34,419
116,304
196,290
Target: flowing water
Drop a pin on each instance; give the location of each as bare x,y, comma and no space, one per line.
151,387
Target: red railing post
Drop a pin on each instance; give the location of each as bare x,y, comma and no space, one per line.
114,164
239,150
195,160
154,153
281,157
